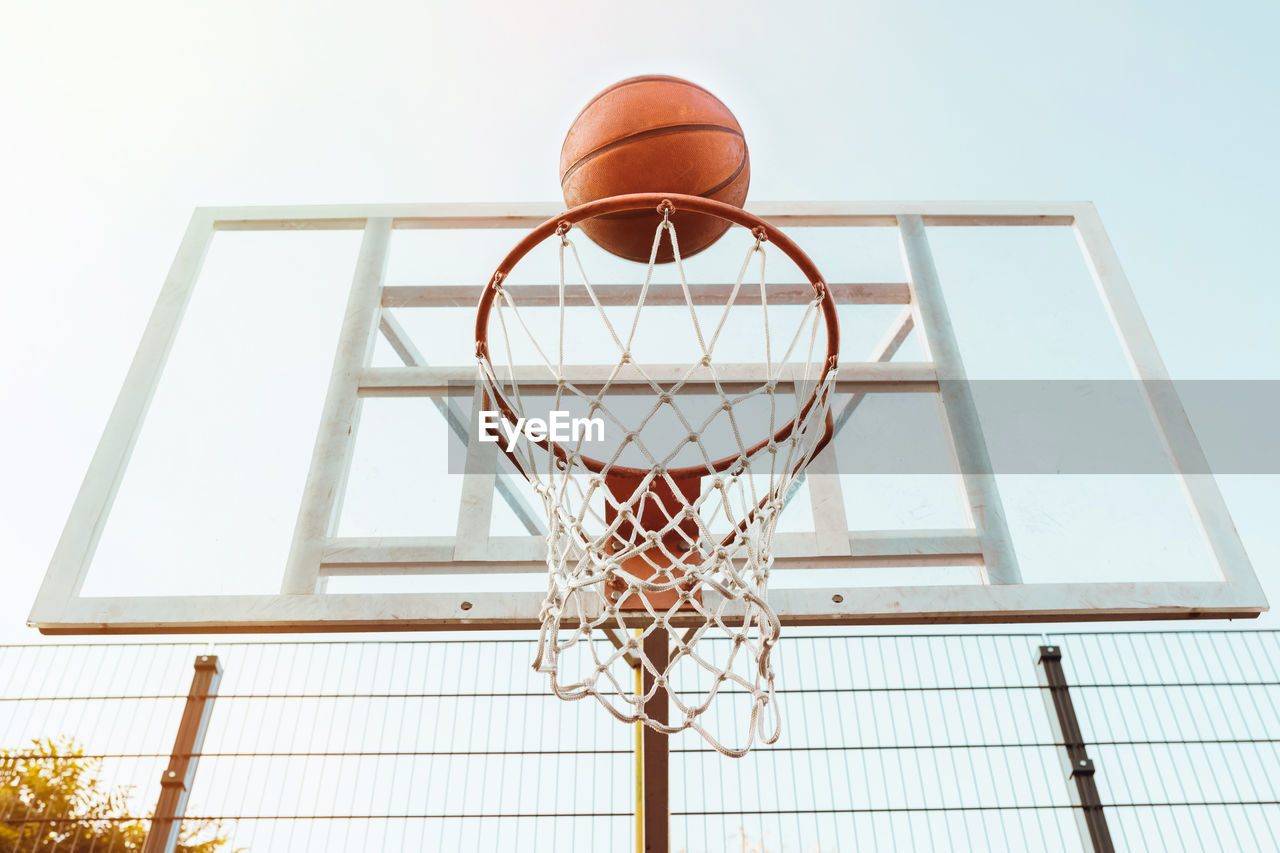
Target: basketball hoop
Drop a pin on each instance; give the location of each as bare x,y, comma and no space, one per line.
636,551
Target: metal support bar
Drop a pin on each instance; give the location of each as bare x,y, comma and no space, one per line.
399,340
550,295
884,352
475,509
175,784
856,377
1076,762
326,483
959,411
655,750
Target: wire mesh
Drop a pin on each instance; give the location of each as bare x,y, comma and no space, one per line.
892,742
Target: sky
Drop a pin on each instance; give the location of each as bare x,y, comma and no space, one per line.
119,120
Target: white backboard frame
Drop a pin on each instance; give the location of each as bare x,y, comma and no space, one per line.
302,603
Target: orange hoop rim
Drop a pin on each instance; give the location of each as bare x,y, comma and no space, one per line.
666,203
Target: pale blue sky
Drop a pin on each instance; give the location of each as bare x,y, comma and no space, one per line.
121,119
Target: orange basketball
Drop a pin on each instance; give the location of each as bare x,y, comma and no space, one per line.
654,134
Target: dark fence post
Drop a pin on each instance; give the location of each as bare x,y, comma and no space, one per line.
1076,761
175,784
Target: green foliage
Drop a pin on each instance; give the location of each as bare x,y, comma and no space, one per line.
54,800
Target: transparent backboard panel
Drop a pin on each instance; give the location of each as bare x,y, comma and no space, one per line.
1083,492
211,494
400,483
1038,343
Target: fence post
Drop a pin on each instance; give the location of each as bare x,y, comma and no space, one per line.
1076,762
175,784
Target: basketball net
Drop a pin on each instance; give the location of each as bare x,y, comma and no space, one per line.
632,552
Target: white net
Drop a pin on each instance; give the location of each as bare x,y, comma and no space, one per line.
662,516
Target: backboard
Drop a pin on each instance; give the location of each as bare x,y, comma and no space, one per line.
298,453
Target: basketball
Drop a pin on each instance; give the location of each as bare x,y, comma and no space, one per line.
654,134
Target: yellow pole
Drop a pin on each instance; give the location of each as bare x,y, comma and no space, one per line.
639,763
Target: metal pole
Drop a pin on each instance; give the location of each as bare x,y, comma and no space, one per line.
175,784
657,808
639,763
958,409
1076,762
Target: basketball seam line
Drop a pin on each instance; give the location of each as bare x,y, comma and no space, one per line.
742,164
637,214
640,135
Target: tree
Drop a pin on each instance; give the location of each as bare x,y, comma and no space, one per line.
53,799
